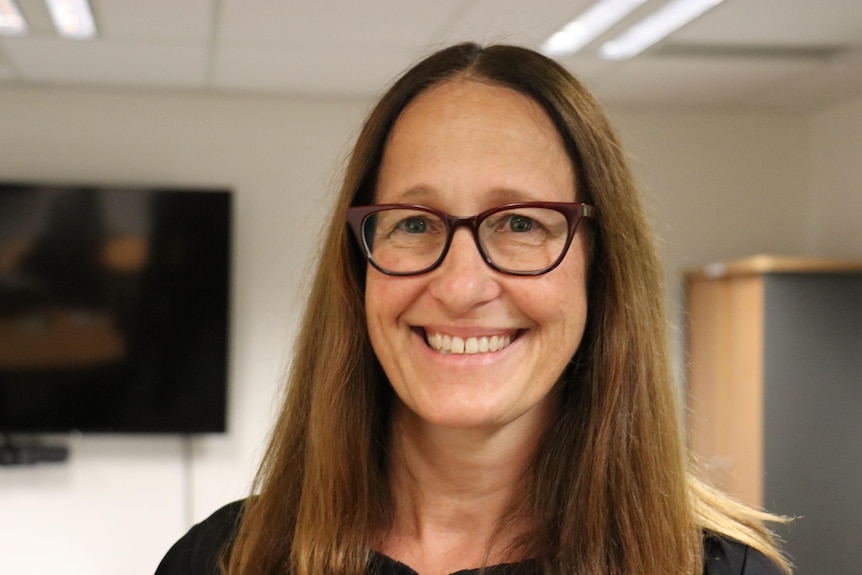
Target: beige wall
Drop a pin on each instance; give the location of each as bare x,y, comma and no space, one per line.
835,190
720,185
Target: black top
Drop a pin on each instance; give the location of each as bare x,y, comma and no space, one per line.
197,552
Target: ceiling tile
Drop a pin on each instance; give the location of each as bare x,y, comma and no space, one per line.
328,24
6,72
777,22
108,63
817,86
346,72
38,19
510,21
727,57
154,19
692,82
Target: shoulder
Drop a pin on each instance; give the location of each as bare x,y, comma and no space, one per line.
725,556
199,550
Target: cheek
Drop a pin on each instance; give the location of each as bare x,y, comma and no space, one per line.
374,294
564,301
386,298
377,316
569,310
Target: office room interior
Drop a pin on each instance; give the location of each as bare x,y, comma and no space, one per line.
744,128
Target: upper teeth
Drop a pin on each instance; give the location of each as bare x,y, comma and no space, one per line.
455,344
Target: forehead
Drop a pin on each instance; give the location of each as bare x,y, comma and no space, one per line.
465,134
461,101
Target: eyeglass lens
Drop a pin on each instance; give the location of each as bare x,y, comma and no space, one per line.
523,239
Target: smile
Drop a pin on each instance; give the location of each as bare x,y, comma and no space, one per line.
453,344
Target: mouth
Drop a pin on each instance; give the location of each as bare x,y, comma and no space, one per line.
455,345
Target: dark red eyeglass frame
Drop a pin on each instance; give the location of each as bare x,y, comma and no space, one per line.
573,211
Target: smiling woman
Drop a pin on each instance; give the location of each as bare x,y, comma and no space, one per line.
481,380
461,146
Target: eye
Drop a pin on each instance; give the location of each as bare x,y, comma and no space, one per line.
520,224
509,222
413,225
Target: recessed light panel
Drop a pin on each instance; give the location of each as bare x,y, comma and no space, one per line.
72,18
12,22
588,26
664,21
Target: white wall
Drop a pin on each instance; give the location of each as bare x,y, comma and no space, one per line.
720,185
120,502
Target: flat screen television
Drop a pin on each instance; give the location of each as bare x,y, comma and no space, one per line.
114,308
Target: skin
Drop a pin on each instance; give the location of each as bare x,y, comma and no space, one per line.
464,426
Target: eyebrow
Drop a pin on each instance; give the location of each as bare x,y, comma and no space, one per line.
422,194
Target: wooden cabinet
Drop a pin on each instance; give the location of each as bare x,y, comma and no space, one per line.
775,396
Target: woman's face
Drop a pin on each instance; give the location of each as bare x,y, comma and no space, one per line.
464,147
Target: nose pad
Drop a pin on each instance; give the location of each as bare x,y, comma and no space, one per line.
463,279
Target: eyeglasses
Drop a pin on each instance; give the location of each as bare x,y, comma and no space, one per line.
524,239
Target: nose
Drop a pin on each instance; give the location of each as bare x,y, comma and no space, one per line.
463,280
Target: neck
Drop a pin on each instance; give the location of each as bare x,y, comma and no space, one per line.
452,489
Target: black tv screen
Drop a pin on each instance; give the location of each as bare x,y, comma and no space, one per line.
114,307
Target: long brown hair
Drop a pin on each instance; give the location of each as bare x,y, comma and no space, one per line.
609,485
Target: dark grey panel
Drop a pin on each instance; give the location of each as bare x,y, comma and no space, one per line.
813,417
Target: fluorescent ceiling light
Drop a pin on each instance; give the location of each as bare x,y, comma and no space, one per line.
12,23
664,21
588,26
72,18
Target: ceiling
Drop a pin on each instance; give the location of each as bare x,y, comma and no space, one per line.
794,55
